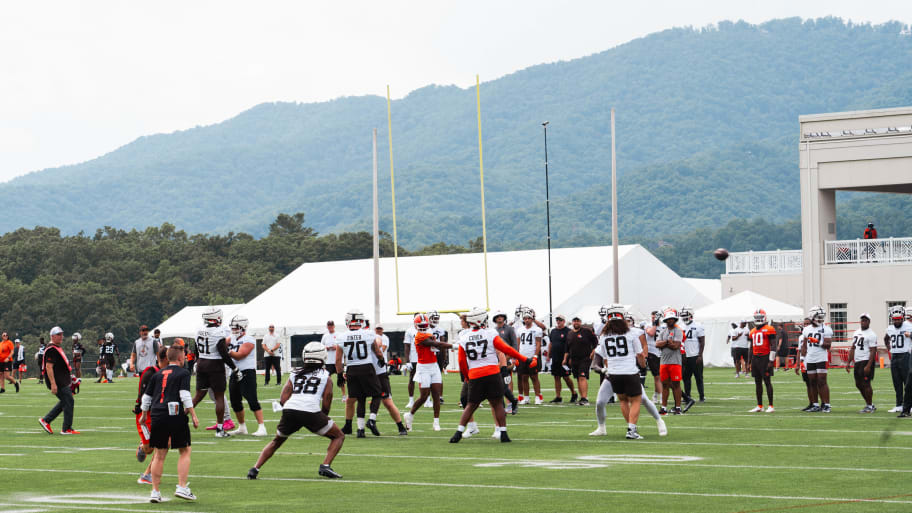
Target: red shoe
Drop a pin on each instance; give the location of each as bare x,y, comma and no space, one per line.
70,432
46,426
228,425
212,427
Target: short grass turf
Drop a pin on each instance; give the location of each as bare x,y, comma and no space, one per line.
718,457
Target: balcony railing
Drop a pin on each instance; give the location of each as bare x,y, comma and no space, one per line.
749,262
869,251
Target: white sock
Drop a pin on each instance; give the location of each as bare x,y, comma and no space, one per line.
502,429
460,428
360,422
473,426
373,416
436,420
261,426
631,427
218,426
242,426
411,398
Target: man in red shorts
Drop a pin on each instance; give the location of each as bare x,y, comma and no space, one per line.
669,339
762,337
145,429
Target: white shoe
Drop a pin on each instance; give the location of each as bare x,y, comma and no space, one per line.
428,404
663,430
184,493
769,409
239,431
156,497
436,426
471,431
525,400
222,434
409,405
261,431
755,409
496,435
737,374
600,431
896,409
655,397
344,398
408,420
539,400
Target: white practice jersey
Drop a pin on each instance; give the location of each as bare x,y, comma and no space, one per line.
248,362
329,342
356,346
899,337
693,331
864,340
619,353
207,339
597,326
409,340
526,337
651,341
21,354
740,337
813,338
479,347
384,348
635,333
440,333
307,390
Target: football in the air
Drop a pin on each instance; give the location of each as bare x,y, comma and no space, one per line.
720,254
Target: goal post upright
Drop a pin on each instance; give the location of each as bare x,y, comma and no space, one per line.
389,137
484,230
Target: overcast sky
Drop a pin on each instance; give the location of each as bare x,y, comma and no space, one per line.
79,79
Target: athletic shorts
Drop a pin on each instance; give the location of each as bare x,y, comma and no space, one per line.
427,374
525,368
860,373
173,428
670,372
316,422
489,387
557,370
20,364
331,368
211,374
580,368
741,353
761,366
816,367
6,366
385,389
626,384
464,394
245,388
362,381
108,361
653,364
144,430
506,374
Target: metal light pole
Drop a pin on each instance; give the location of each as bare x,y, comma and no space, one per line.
548,220
614,214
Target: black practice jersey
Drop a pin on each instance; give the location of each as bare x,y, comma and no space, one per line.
166,387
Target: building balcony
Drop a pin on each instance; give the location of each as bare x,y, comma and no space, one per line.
894,250
760,262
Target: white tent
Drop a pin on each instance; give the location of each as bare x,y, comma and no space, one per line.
717,319
709,288
188,320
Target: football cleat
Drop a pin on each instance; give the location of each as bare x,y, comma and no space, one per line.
361,434
539,400
327,471
471,430
347,428
221,433
261,431
524,400
253,473
408,417
895,409
457,436
514,406
826,409
556,400
144,479
677,411
17,387
632,434
663,430
808,408
156,497
372,425
504,438
585,402
904,415
573,397
663,411
600,431
46,426
241,430
814,409
689,405
184,492
403,432
496,434
755,409
769,409
436,425
428,403
70,432
228,425
866,409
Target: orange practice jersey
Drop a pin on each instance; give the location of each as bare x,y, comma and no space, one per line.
760,339
6,351
425,354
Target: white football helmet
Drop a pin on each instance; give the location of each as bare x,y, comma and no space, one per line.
527,313
817,314
109,337
314,352
477,317
77,337
498,313
434,318
603,312
614,312
897,312
669,313
238,323
519,311
687,314
354,319
212,316
630,319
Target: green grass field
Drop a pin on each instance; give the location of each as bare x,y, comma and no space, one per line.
718,457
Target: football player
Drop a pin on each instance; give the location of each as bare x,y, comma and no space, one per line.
411,357
654,354
306,400
619,356
530,340
78,351
694,343
212,353
508,335
816,351
144,428
863,354
478,348
803,367
357,344
763,338
428,373
19,363
443,357
242,383
669,339
386,393
740,346
109,355
897,338
39,359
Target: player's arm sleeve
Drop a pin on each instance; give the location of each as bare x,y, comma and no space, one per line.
505,348
185,396
222,348
146,402
463,362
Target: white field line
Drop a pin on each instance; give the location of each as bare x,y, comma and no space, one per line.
438,484
31,506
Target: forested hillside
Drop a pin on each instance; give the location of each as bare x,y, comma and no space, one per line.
707,132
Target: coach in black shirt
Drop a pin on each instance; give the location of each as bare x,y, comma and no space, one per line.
169,403
508,335
559,337
580,343
57,369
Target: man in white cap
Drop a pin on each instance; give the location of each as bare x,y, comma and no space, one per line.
57,371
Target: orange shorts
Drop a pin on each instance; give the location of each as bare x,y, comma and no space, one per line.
144,429
670,372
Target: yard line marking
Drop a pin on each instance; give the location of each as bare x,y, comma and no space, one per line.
340,482
44,507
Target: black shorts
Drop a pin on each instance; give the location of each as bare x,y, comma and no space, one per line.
362,381
653,363
557,368
741,353
489,387
331,368
760,366
293,420
175,428
211,374
464,394
6,366
18,364
108,361
816,367
245,388
860,373
626,384
580,368
525,369
385,388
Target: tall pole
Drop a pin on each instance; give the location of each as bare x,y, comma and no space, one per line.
484,228
376,240
389,134
614,213
548,221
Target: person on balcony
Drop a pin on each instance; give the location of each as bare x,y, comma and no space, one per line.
870,233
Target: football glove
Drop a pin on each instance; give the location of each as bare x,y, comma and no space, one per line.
533,364
381,363
410,367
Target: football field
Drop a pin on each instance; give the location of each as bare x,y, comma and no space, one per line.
717,457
